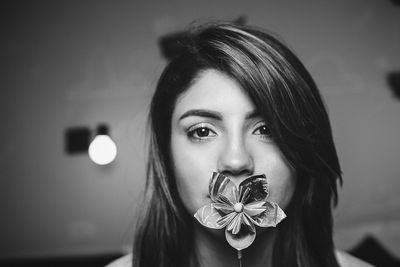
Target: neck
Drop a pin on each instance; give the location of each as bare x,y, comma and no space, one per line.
213,250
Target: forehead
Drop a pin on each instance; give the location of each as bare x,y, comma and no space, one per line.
215,91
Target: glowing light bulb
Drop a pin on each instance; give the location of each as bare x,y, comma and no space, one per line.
102,150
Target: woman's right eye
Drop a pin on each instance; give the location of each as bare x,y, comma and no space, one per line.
201,133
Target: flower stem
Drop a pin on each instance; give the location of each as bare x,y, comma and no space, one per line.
240,257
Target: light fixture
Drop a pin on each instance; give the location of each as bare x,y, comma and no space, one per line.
102,150
393,79
77,140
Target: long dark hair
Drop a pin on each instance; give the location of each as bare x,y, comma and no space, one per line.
286,96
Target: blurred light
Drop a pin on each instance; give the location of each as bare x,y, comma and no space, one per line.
102,150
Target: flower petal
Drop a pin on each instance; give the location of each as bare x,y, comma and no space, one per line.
271,216
249,222
222,185
256,188
242,240
254,208
223,208
224,200
235,224
244,194
208,216
227,219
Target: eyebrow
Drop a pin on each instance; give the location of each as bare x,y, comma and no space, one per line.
213,114
202,113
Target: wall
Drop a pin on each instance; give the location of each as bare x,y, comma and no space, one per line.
73,63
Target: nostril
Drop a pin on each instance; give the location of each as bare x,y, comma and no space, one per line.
235,160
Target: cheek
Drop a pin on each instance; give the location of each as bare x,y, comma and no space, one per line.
192,173
281,177
192,191
282,189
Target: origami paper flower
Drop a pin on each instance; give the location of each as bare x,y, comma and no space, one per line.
239,209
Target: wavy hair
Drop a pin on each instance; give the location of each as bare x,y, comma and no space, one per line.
286,96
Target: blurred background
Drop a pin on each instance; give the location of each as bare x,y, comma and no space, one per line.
68,67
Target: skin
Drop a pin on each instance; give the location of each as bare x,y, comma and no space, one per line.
215,127
236,145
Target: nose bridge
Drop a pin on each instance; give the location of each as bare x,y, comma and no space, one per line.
235,158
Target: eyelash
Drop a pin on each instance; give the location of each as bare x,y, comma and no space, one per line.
263,135
193,133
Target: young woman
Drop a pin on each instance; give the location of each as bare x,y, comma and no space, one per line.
238,102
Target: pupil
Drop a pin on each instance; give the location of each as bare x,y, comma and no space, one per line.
202,132
264,130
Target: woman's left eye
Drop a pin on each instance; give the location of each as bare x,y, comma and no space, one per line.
262,130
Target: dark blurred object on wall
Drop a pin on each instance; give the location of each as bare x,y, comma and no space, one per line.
77,140
372,251
172,44
393,79
396,2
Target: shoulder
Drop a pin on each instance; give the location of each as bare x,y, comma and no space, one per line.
346,260
125,261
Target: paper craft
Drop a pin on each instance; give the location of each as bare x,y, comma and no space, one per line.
239,209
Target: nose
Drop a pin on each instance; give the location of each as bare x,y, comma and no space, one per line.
234,160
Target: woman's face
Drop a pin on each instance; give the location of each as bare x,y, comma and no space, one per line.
216,128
